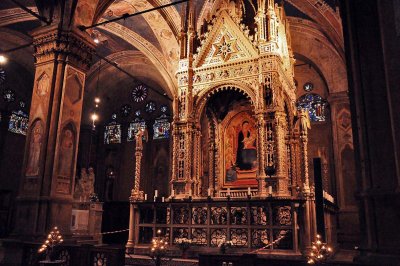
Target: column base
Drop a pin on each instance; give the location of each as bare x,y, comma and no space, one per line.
130,247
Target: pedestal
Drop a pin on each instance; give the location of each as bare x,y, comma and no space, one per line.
87,219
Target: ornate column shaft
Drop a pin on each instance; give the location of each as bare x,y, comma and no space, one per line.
197,162
295,161
262,192
48,173
281,154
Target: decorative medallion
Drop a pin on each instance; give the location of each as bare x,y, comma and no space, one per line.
225,48
126,110
139,93
8,95
138,113
2,76
22,104
114,116
150,107
308,86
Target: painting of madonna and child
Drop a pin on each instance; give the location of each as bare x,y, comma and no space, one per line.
240,150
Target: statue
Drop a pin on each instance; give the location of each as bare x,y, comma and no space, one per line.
84,187
34,150
268,96
142,133
91,181
304,120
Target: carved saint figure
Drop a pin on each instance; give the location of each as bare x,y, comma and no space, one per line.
246,152
304,120
66,153
34,150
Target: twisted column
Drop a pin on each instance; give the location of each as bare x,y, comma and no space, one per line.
136,194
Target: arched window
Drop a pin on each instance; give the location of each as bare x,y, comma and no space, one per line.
315,105
112,132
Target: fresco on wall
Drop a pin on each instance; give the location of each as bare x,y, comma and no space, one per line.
34,149
240,138
65,161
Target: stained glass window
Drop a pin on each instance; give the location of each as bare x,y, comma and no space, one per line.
139,93
112,132
126,110
2,76
8,95
134,128
161,127
315,105
164,108
151,107
18,122
308,87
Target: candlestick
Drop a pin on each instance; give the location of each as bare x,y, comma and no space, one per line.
248,191
162,199
229,192
145,197
173,193
270,190
209,192
156,193
190,192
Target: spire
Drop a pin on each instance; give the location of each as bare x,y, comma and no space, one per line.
272,21
183,33
188,32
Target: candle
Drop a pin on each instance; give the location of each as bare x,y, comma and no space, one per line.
156,193
173,193
270,190
229,191
209,192
145,196
162,199
190,192
248,191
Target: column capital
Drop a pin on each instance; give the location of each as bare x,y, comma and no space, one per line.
51,43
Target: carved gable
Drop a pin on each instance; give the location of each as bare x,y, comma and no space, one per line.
225,43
